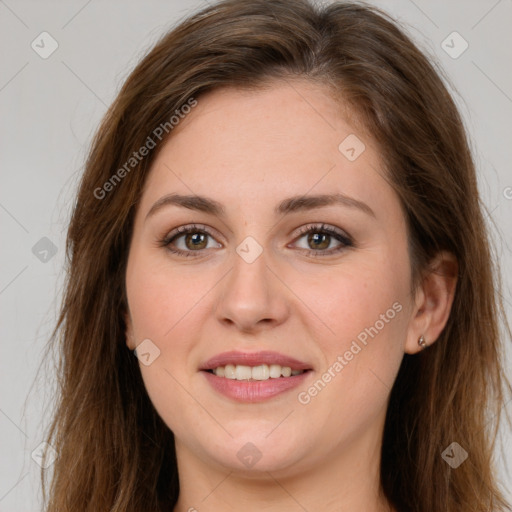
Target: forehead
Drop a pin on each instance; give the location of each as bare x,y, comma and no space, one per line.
284,139
302,116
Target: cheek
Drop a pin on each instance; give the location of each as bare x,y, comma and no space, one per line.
169,307
354,298
161,298
164,307
350,392
363,311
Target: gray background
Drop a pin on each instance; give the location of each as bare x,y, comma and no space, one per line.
51,107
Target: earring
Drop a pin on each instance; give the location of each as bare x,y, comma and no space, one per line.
422,343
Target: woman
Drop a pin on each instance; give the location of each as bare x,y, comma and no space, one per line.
280,290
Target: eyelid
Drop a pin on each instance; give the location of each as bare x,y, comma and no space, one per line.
345,241
322,227
186,228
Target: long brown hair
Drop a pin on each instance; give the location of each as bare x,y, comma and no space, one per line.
114,451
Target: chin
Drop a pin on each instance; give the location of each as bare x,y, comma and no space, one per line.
253,455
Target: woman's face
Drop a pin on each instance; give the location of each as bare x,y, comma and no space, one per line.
275,276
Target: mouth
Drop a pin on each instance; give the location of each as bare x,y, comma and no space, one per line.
254,377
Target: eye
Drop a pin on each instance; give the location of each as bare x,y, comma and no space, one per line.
320,238
186,240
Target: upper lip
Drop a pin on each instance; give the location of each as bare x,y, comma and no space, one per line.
253,359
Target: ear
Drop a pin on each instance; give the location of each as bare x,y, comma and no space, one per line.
433,302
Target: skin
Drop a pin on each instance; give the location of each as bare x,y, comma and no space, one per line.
249,150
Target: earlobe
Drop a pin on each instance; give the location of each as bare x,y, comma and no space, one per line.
433,303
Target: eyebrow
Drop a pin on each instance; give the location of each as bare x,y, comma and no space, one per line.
287,206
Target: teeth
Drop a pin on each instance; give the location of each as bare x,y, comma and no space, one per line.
243,372
229,371
261,372
275,371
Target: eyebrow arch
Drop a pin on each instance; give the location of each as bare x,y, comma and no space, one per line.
299,203
192,202
287,206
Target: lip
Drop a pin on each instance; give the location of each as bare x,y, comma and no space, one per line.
253,359
254,390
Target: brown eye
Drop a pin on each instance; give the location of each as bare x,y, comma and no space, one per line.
187,240
322,240
319,241
195,241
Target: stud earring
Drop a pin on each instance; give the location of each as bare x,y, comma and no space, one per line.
422,343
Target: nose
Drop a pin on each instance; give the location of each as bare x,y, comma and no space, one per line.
252,297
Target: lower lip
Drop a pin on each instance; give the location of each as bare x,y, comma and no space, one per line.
254,391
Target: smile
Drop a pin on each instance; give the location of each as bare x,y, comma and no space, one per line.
254,377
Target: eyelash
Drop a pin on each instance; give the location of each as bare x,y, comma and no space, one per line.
346,241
